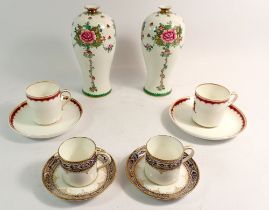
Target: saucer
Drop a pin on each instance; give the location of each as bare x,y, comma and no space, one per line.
52,180
189,177
20,120
233,122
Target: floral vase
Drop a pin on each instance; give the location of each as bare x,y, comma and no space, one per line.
161,37
94,41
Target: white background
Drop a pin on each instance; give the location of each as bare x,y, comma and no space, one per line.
226,42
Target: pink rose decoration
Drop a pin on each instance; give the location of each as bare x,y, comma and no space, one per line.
169,35
87,36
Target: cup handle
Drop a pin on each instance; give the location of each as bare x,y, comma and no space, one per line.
189,155
65,97
108,161
233,98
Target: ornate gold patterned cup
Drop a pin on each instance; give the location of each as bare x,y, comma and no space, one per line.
78,158
46,101
164,156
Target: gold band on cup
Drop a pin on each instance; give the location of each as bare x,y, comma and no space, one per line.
78,166
163,164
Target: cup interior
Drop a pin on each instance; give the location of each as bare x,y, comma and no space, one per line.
165,147
77,149
213,92
42,89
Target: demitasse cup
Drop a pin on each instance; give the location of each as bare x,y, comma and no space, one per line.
46,101
78,158
164,155
210,103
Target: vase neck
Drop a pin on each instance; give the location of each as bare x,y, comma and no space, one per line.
92,9
165,9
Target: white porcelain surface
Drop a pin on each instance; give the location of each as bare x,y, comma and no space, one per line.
165,148
23,121
210,114
161,178
188,177
81,152
46,102
177,185
52,177
42,89
77,149
233,121
46,112
94,42
161,50
80,179
61,182
226,41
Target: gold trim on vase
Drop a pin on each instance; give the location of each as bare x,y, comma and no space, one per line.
131,171
165,10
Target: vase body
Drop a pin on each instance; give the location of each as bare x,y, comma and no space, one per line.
94,42
162,37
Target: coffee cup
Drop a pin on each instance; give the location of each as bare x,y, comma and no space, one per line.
46,101
210,102
164,156
78,158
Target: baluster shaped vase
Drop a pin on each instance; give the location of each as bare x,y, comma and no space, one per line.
94,42
162,37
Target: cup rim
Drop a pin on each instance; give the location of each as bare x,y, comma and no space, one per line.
166,159
42,97
208,99
82,137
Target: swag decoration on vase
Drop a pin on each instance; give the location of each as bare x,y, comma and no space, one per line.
94,42
162,37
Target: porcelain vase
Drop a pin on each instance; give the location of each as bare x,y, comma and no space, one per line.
94,42
162,37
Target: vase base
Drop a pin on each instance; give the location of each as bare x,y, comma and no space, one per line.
156,94
96,96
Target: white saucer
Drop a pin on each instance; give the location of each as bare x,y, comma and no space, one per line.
52,180
20,120
232,124
189,177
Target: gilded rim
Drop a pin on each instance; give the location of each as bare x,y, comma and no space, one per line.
23,104
233,107
207,100
78,166
48,182
180,157
96,96
191,166
77,137
156,94
44,98
165,9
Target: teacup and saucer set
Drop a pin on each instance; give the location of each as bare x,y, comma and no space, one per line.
48,111
209,114
79,170
163,169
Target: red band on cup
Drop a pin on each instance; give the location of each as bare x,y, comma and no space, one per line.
208,101
46,98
